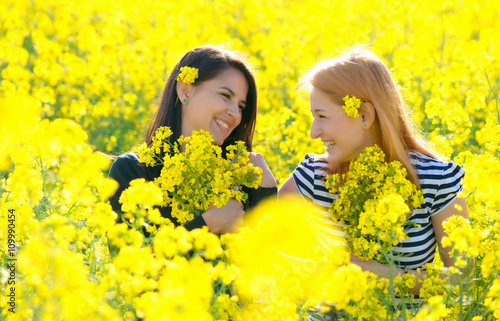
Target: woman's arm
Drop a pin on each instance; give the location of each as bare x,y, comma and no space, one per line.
229,218
225,219
267,176
288,187
437,224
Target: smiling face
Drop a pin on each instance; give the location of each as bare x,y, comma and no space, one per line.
215,105
344,137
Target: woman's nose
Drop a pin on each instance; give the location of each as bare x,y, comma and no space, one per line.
234,110
315,130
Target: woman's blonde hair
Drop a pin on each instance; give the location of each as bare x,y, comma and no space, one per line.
360,73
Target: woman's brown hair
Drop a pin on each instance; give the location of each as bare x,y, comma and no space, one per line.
210,61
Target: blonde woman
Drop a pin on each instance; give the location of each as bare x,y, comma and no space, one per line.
382,120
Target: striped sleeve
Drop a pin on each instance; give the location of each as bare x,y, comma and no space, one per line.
303,175
449,185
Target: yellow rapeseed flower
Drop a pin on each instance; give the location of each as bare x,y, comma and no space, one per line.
351,106
374,197
199,176
187,74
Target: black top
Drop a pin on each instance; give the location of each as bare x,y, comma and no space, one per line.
127,167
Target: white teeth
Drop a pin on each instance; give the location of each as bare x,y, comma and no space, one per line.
223,124
328,144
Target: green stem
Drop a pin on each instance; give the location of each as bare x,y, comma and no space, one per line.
232,160
489,286
180,200
197,183
222,287
42,170
391,270
494,94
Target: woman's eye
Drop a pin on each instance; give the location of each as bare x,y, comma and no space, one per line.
226,95
241,107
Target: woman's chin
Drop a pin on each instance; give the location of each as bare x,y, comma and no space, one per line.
335,158
217,141
331,158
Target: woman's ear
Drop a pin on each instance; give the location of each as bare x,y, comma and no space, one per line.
184,91
367,114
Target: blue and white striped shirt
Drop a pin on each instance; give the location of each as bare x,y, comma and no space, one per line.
440,182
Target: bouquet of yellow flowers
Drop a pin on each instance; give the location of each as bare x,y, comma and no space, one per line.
374,198
193,179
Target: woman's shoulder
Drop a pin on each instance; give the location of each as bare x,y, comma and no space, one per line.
312,168
313,161
434,172
127,167
428,163
125,160
440,181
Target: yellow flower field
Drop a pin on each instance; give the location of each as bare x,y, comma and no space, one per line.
81,78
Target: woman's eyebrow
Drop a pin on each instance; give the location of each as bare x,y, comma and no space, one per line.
228,89
319,109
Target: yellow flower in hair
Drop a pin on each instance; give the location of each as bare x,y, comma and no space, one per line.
188,74
351,106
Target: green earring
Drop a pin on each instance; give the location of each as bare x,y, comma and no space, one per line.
184,100
365,125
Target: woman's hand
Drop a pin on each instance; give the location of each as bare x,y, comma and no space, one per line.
267,177
225,219
384,271
371,266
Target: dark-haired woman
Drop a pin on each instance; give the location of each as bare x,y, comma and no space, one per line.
223,101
